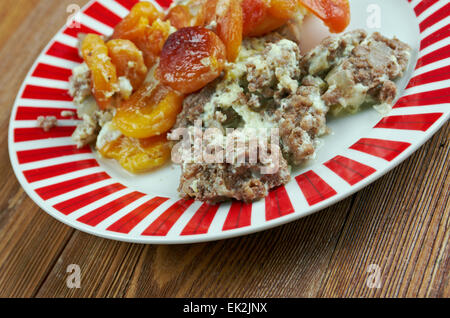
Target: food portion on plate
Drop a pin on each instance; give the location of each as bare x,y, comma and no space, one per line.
227,70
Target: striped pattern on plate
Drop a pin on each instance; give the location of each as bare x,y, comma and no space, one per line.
72,186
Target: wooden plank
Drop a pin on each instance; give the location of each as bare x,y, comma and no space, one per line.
30,240
287,261
12,14
325,254
106,267
407,237
400,223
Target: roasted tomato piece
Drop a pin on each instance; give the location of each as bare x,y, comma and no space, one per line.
264,16
229,26
191,58
128,60
138,155
150,111
334,13
142,15
283,9
257,19
103,71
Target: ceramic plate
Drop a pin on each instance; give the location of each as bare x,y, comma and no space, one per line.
95,195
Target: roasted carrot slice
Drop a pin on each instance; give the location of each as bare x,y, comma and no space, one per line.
206,13
138,155
128,60
142,15
103,71
150,111
152,41
229,26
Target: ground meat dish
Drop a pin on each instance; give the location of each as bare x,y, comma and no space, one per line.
273,85
47,122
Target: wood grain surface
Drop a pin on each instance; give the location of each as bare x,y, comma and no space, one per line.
400,223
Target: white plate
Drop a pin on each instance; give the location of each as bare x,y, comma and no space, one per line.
96,196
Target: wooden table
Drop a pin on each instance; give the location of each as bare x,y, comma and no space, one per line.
400,223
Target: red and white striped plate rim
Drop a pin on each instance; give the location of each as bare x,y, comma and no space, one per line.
72,186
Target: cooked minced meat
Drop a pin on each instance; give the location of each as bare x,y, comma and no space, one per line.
92,117
301,120
261,90
330,52
272,86
220,181
80,83
47,122
357,69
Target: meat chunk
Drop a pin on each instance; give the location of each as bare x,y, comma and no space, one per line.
86,131
331,52
276,70
47,122
265,75
80,83
92,118
301,122
193,106
222,181
272,86
367,74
